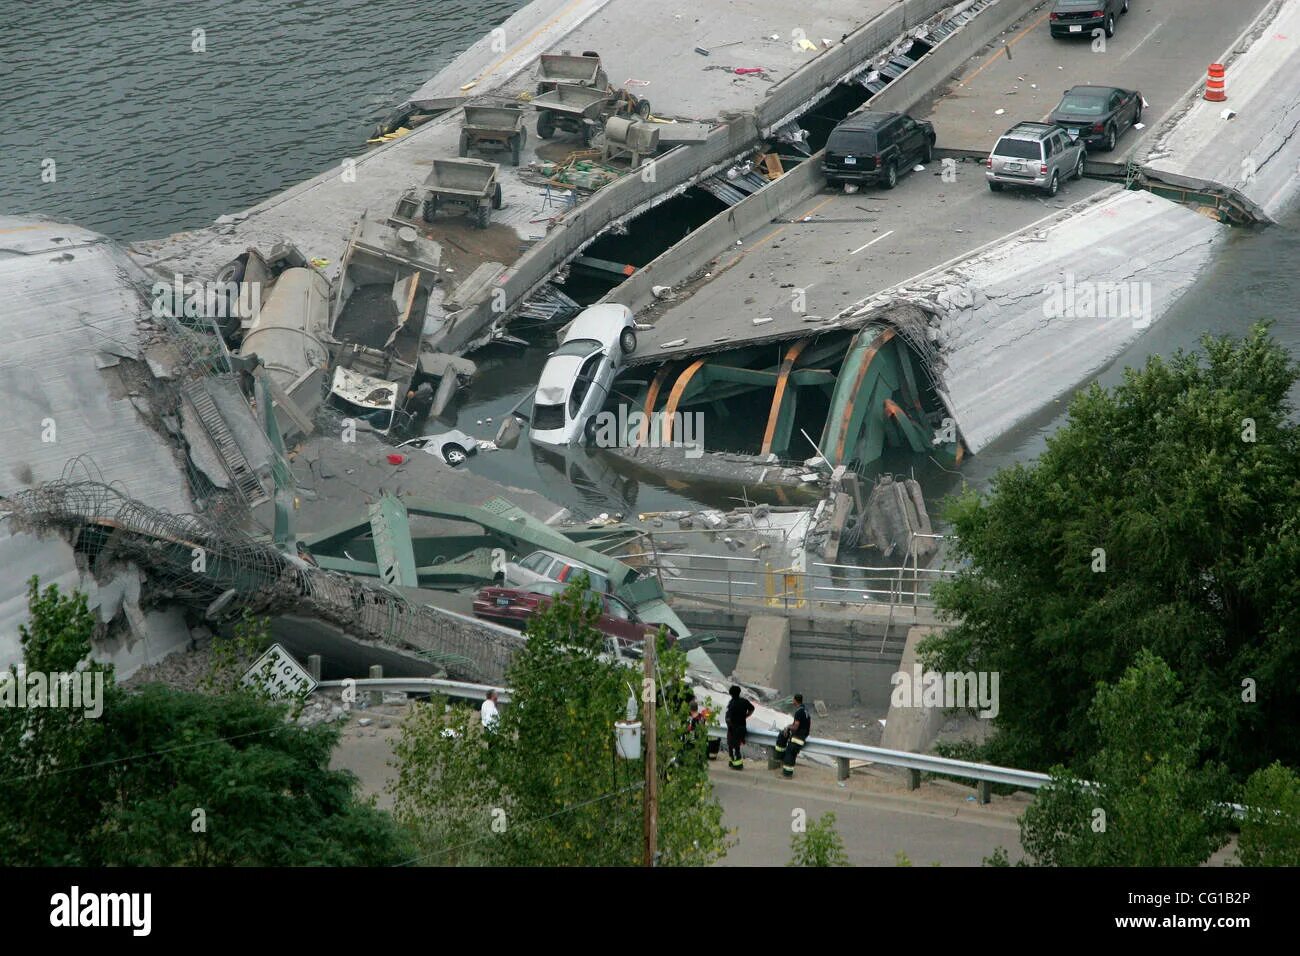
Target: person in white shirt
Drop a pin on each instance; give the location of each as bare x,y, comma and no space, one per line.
488,713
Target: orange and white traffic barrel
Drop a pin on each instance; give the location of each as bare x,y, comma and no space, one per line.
1215,91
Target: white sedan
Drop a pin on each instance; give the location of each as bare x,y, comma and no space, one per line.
577,377
453,446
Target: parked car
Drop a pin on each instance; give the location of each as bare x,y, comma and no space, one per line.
872,147
576,379
1098,115
1034,154
547,567
453,446
1081,17
514,606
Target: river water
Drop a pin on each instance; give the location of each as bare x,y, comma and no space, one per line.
149,137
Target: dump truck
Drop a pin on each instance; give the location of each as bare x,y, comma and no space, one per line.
378,315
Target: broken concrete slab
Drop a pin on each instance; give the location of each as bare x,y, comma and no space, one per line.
1255,153
1062,298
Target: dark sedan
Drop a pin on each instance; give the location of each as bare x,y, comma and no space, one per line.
514,606
1098,115
1080,18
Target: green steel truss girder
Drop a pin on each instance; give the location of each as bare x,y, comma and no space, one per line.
394,553
875,398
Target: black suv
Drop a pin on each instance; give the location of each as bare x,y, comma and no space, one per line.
876,147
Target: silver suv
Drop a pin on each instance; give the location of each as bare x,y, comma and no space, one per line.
1034,154
547,566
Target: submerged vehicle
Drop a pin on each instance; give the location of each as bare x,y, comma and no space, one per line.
576,379
453,446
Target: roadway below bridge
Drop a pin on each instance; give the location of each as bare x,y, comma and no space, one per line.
792,276
876,817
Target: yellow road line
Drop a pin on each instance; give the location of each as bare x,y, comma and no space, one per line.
1003,49
775,232
524,42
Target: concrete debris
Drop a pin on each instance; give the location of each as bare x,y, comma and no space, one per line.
713,519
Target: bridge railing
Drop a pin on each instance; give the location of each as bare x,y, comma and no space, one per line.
744,582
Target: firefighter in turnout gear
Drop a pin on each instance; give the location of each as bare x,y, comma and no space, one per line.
738,712
793,738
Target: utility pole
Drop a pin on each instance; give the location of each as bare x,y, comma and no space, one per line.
650,720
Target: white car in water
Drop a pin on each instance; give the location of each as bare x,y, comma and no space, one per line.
453,446
578,375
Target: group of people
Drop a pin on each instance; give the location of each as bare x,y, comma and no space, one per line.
788,743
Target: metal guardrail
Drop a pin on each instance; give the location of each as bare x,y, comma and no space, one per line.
984,774
843,752
421,685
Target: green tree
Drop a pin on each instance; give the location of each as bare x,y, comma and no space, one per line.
819,844
169,778
229,658
46,813
1270,831
1164,515
1148,800
546,788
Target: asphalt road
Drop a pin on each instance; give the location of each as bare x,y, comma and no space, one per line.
854,246
849,247
1160,48
942,827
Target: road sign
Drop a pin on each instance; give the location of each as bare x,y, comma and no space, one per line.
278,675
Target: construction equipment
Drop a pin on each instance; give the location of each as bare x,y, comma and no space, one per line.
575,109
494,129
471,183
554,69
582,110
629,139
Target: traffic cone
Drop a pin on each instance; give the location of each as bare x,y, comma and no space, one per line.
1214,85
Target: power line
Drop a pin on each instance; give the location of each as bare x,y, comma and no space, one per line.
569,809
153,753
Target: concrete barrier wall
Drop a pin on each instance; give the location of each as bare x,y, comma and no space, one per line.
624,198
792,95
830,660
949,56
631,195
720,233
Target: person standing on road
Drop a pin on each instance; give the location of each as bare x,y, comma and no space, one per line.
796,734
488,713
738,711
